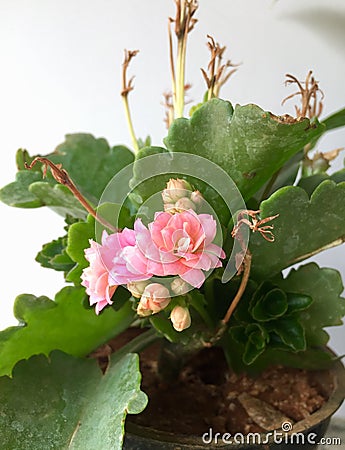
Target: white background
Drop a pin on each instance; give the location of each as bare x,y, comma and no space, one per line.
60,73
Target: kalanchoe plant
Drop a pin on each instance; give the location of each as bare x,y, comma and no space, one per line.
187,241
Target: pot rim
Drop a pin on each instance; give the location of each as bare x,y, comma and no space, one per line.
337,373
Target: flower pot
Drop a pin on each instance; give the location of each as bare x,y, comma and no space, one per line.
305,434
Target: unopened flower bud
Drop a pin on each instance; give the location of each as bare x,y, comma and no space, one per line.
142,311
176,189
179,286
154,298
180,318
197,198
136,288
184,204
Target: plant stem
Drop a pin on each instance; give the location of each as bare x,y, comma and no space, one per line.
127,87
245,277
180,65
130,123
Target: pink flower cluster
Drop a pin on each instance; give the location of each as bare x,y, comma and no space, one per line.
178,243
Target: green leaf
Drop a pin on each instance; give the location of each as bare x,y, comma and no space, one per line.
310,183
271,306
325,287
247,142
335,120
79,234
256,343
59,198
18,194
63,324
53,255
304,227
291,332
285,176
297,302
73,405
91,164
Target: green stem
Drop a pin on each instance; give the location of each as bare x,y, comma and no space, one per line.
180,66
137,344
130,123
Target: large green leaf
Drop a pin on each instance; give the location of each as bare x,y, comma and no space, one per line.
66,403
18,194
247,142
64,324
335,120
91,164
304,226
325,287
59,198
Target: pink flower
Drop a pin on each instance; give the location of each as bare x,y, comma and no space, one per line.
108,268
125,268
155,298
95,277
180,318
179,244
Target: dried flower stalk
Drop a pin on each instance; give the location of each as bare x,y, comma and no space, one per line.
127,87
218,73
184,24
309,91
251,219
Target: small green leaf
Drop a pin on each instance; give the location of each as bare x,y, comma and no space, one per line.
64,324
74,405
297,302
325,287
53,255
257,338
79,235
291,332
272,305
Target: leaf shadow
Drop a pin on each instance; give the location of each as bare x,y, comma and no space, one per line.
328,23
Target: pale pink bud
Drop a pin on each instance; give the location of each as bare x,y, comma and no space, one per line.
142,311
155,298
197,198
184,204
180,318
176,189
180,287
136,288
